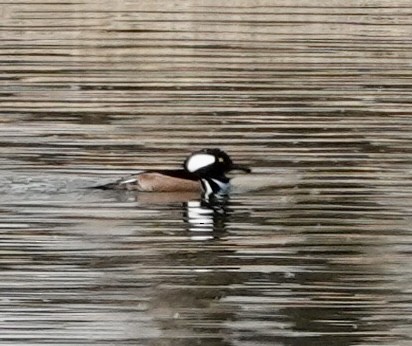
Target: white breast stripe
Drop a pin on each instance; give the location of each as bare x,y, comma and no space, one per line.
207,188
199,161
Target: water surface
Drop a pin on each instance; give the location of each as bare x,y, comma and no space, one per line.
313,248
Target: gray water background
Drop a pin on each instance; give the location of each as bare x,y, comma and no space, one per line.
313,248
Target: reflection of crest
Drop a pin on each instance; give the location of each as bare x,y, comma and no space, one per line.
206,218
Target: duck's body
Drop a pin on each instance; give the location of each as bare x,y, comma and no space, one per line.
203,171
158,181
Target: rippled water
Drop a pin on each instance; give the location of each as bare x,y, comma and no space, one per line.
313,248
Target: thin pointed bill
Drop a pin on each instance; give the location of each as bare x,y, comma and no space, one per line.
242,168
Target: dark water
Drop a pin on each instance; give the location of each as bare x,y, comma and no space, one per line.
313,248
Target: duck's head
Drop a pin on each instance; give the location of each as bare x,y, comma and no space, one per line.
211,163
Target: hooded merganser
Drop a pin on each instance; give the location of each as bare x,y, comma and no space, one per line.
203,170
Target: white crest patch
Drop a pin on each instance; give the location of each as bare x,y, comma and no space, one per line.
198,161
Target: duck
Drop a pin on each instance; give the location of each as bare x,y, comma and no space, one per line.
203,171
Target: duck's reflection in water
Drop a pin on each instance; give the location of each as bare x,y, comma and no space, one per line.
145,199
206,219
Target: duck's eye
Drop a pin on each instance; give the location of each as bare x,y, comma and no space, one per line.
221,160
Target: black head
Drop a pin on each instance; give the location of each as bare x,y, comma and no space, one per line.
211,163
